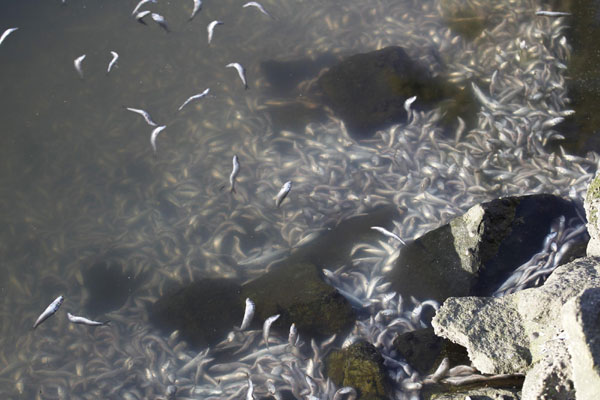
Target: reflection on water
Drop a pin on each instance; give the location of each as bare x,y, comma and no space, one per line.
79,179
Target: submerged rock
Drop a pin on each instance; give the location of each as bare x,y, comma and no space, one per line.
592,205
360,366
476,252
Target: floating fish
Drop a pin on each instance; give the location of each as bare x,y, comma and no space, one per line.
112,62
194,97
293,336
259,6
241,72
140,4
77,64
388,233
211,29
49,311
6,33
154,134
285,189
234,172
144,114
160,20
197,7
139,17
248,314
84,321
552,13
267,328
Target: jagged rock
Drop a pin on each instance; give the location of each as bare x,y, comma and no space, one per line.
581,321
360,366
505,335
476,252
591,205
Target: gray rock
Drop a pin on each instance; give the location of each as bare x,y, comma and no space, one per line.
581,321
591,205
508,334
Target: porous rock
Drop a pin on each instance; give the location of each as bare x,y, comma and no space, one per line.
592,205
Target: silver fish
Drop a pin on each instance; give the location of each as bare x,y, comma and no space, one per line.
154,134
6,33
140,4
241,72
259,6
267,327
388,233
194,97
140,16
552,13
113,61
77,64
234,172
160,20
144,114
293,336
49,311
285,189
248,314
250,392
197,7
84,321
211,29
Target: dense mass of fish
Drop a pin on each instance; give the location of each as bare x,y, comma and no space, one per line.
167,217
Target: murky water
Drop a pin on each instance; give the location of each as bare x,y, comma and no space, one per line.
81,185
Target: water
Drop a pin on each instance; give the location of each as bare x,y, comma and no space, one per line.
80,183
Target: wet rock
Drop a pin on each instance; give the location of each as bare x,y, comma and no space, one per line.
360,366
581,321
298,293
368,90
476,252
203,311
591,205
424,350
508,334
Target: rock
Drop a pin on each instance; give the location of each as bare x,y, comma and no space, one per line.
298,293
506,335
360,366
197,310
476,252
478,394
581,321
591,205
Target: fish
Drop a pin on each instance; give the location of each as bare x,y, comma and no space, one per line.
250,392
197,7
77,64
211,29
293,336
259,6
241,72
194,97
154,134
49,311
144,114
285,189
388,233
160,20
248,314
234,172
267,328
112,62
84,321
6,33
140,4
139,17
552,13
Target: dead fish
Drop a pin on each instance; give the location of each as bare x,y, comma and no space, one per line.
160,20
250,392
259,6
49,311
248,314
144,114
388,234
293,336
140,4
197,7
113,61
552,13
234,172
6,33
154,134
267,328
285,189
77,64
241,72
139,17
211,29
84,321
194,97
